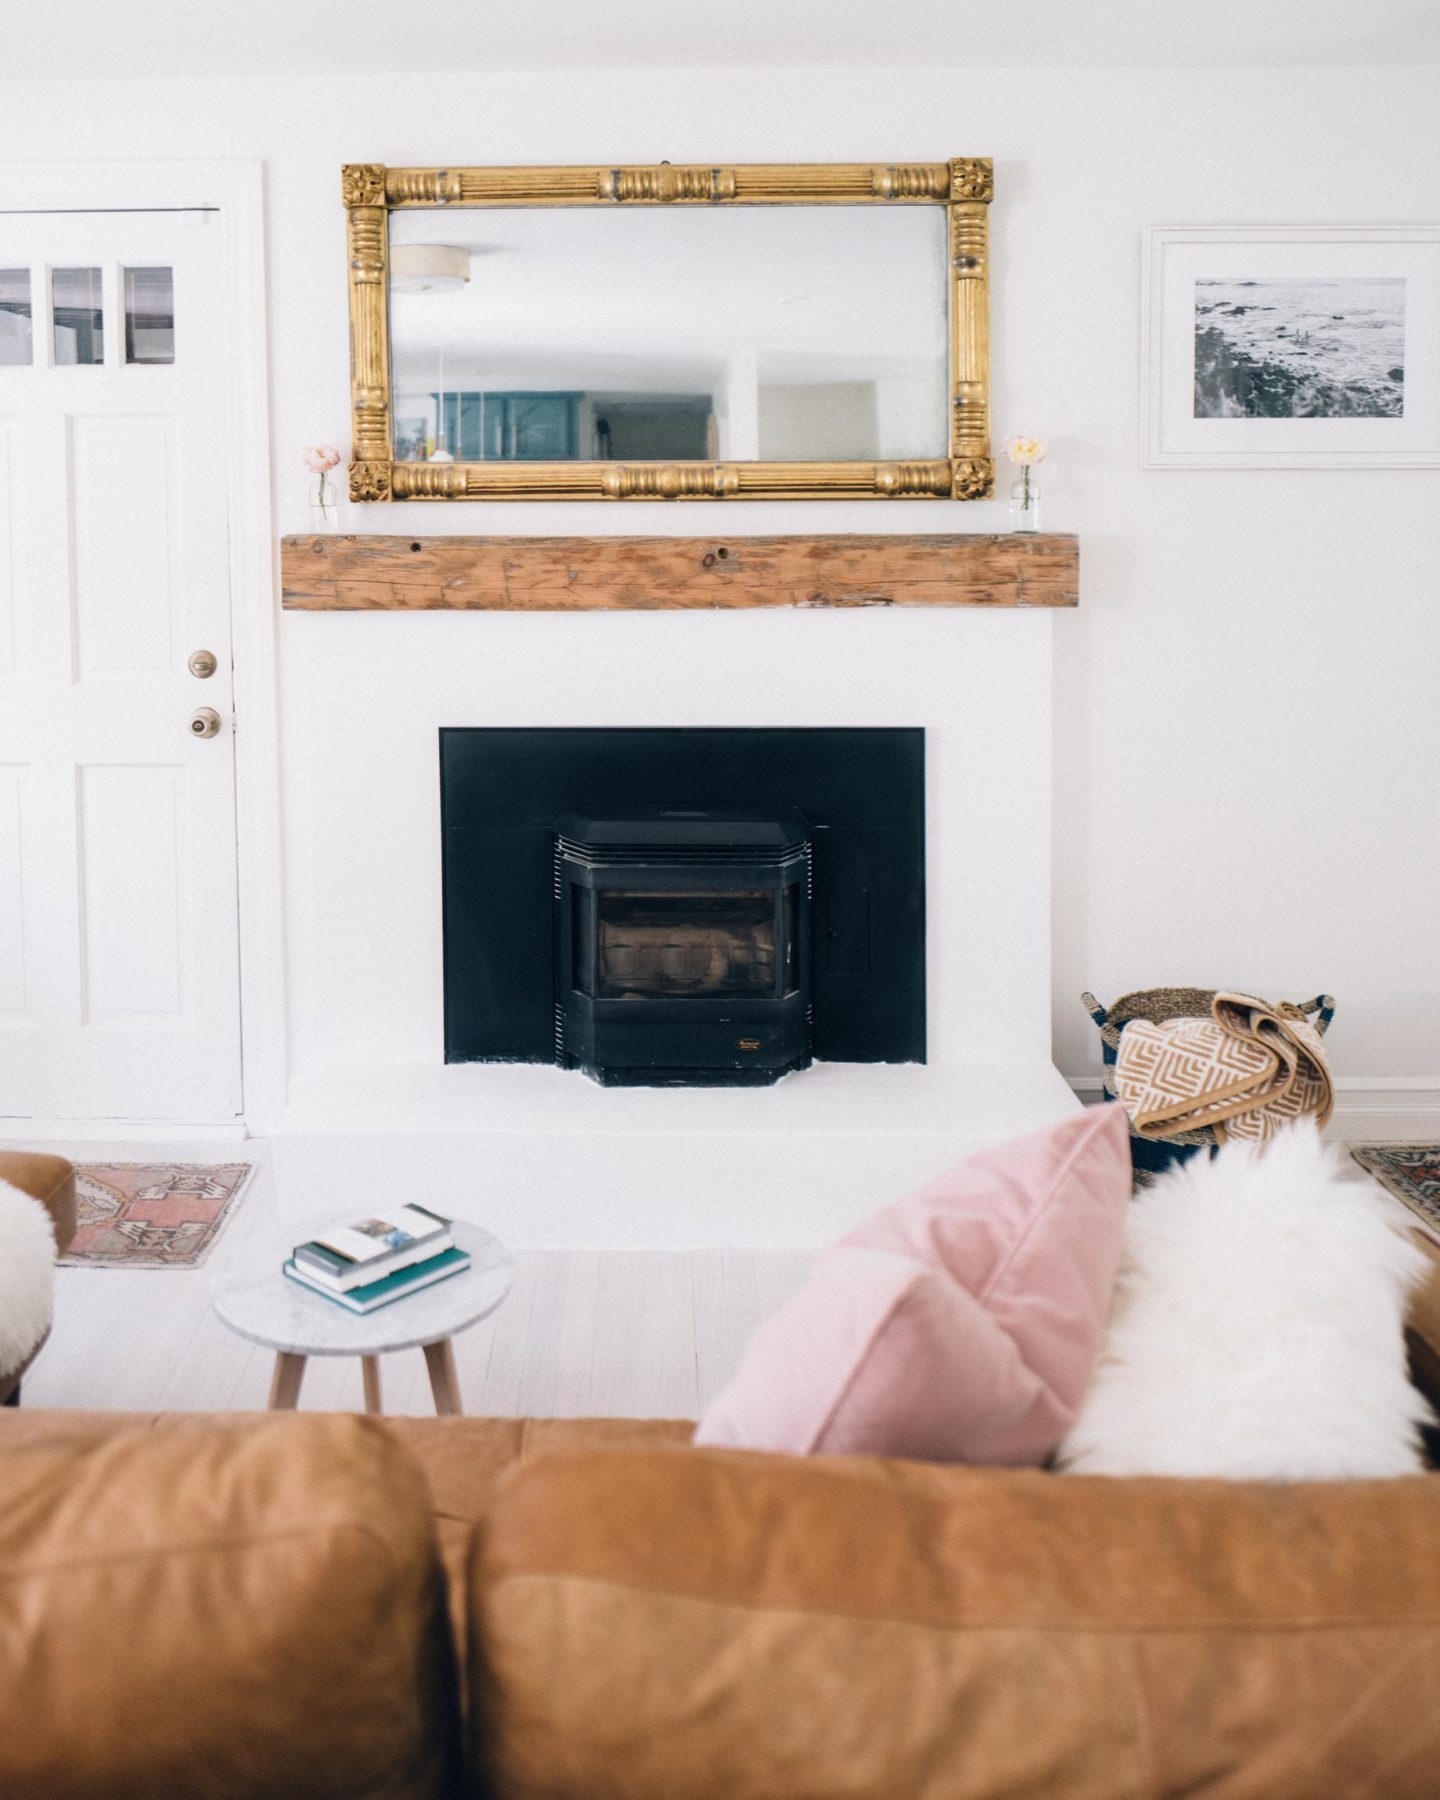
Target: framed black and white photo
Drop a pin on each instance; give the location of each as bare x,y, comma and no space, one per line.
1291,347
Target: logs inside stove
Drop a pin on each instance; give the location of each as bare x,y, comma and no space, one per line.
683,948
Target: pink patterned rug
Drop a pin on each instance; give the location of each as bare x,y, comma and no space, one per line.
152,1215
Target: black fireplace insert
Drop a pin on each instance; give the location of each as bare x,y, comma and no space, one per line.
668,905
682,948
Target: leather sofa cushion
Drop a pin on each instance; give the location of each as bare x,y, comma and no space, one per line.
52,1182
678,1625
249,1610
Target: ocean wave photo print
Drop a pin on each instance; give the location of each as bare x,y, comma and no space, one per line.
1291,347
1331,348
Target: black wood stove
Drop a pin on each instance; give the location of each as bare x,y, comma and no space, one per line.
683,948
681,905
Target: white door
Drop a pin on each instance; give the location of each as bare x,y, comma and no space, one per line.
118,915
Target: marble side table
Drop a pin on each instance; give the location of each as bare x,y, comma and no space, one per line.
258,1302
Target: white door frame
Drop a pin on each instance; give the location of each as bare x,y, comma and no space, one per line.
236,189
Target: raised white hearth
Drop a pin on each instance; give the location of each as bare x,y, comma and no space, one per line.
550,1159
545,1157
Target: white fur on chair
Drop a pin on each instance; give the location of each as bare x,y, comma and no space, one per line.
27,1276
1257,1330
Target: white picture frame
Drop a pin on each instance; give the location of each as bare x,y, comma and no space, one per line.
1290,347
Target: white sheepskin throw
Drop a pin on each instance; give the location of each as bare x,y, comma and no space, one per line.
27,1275
1257,1328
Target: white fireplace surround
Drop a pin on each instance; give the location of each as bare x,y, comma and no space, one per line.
546,1157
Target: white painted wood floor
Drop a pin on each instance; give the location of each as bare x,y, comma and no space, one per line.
637,1334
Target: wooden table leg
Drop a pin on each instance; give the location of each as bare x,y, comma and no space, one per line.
444,1381
285,1382
370,1369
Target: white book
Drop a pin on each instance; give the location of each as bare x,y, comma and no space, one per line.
352,1275
382,1234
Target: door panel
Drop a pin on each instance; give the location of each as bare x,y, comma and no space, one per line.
118,914
133,837
123,482
8,559
12,893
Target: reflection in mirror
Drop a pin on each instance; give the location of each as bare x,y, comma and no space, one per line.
728,334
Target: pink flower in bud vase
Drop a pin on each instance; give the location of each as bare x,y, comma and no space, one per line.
320,459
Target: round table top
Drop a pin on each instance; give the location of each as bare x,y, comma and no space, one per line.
255,1299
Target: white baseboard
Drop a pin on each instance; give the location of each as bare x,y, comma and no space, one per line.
1376,1109
31,1133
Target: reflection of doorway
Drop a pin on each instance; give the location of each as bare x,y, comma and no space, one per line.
651,428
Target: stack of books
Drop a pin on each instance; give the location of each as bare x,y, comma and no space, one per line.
367,1263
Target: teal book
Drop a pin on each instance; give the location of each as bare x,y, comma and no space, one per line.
390,1287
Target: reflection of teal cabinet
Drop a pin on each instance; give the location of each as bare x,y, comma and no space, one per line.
513,427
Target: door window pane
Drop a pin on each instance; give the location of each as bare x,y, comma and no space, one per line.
79,322
149,315
15,320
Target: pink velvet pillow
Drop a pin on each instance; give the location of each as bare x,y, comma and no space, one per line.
961,1324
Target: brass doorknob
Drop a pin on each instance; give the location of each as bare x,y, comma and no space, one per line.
202,664
204,722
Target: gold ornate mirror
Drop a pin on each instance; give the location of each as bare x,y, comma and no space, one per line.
761,332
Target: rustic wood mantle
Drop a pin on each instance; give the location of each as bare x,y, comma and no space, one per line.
603,574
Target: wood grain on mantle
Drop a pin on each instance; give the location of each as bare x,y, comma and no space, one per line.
601,574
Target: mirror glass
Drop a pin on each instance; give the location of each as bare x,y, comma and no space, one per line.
740,333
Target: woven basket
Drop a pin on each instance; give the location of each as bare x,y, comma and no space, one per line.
1150,1156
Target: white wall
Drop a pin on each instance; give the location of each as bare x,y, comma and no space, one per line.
1247,729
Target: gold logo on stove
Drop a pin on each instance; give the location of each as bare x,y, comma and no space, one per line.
749,1043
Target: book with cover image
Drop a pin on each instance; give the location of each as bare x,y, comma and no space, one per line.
395,1286
359,1250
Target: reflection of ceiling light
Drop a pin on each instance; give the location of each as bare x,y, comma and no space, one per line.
428,268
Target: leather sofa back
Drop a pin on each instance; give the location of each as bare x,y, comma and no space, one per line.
249,1609
846,1627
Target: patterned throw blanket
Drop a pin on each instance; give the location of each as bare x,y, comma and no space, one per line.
1248,1071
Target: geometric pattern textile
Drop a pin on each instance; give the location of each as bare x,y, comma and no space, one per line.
152,1215
1246,1072
1411,1172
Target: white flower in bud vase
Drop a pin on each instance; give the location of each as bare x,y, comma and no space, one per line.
1025,451
321,458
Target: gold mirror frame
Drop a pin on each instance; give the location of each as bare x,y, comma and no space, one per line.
964,186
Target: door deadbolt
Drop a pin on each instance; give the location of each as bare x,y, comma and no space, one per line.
204,722
202,664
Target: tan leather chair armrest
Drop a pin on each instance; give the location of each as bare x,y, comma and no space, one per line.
52,1182
674,1625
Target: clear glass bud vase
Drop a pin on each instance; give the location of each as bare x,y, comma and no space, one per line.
324,512
1025,504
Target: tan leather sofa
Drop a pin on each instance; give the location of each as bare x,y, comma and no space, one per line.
257,1606
242,1606
51,1179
